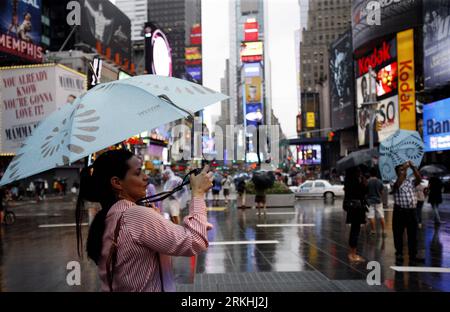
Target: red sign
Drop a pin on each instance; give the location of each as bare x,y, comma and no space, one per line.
196,35
251,31
16,46
379,56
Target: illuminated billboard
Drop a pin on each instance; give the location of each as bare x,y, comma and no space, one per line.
107,29
253,92
436,126
253,114
158,54
193,56
341,82
251,51
387,79
309,154
195,73
436,43
20,29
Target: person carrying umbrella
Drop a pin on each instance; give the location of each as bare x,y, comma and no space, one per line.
435,197
131,244
404,216
355,191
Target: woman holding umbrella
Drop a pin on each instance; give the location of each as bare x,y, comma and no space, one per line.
131,244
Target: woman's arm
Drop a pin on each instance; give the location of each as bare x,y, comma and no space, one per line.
152,230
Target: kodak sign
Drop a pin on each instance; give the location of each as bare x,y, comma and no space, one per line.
406,80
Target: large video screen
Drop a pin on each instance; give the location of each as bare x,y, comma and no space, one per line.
436,126
387,79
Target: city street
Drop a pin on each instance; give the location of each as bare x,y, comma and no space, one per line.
301,248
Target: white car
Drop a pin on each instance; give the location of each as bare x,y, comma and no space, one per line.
318,188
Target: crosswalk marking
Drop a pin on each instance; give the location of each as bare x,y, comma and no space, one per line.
286,225
420,269
60,225
243,242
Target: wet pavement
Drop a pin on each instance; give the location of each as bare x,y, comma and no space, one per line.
300,248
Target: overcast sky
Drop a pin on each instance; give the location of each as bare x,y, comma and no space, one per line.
284,19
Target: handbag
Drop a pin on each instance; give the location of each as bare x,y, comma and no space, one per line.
351,205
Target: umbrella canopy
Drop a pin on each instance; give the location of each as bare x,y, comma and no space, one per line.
104,116
263,179
356,158
397,149
433,170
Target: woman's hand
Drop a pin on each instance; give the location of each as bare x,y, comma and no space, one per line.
201,183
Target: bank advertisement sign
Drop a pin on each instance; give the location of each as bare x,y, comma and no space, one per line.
436,126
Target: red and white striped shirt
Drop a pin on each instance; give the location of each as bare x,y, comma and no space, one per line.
145,234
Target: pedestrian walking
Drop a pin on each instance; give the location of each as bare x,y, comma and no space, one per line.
354,194
435,198
217,187
150,191
420,194
375,190
226,184
260,199
405,216
240,188
173,203
132,244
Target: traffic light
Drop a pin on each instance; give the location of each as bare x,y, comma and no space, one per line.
330,136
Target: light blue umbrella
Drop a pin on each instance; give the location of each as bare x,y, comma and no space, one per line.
397,149
104,116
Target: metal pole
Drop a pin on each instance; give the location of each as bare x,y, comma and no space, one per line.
370,110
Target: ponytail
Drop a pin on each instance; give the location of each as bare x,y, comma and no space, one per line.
95,186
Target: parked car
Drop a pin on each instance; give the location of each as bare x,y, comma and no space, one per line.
318,188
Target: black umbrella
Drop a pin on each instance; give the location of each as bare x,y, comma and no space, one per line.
263,179
356,158
433,170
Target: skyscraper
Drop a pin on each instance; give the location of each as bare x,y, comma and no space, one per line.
176,19
327,20
136,10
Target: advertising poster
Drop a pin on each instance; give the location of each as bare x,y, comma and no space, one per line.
436,126
341,82
106,26
387,79
31,94
195,73
253,114
362,113
20,29
253,90
394,16
406,80
309,154
387,117
251,51
436,43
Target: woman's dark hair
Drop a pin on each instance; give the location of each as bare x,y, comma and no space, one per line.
95,186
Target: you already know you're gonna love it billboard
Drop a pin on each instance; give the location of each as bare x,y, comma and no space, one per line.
30,94
20,29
